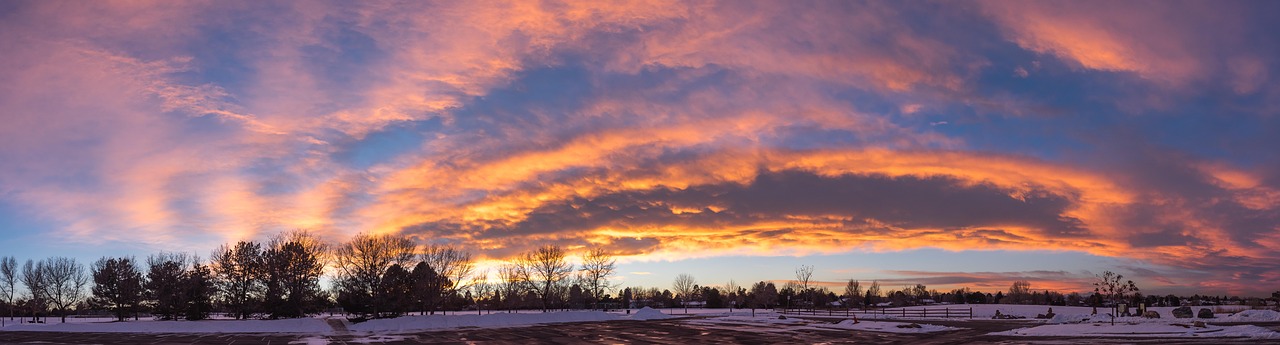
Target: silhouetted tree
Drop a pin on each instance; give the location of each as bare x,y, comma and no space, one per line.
873,294
1113,287
853,293
685,286
117,286
198,289
803,275
597,266
1019,292
64,283
9,281
33,279
164,285
626,298
511,284
427,287
361,264
293,266
764,295
452,264
239,274
544,271
396,292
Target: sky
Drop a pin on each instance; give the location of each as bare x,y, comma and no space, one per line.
952,144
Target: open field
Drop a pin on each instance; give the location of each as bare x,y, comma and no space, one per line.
646,327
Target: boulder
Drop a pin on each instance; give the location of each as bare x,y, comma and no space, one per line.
782,317
1205,313
1198,324
1182,312
1151,314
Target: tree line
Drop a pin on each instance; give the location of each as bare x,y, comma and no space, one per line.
379,276
372,276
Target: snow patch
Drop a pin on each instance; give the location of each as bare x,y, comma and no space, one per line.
428,322
890,327
1072,318
1253,316
303,325
647,313
1145,330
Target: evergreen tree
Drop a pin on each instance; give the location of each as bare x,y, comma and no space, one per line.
293,280
238,271
117,286
164,286
198,290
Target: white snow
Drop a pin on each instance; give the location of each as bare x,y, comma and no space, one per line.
417,323
1153,330
304,325
774,324
647,313
889,327
1071,318
1252,316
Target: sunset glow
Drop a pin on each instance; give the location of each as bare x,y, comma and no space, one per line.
909,143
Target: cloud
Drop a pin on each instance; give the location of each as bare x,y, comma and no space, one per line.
658,129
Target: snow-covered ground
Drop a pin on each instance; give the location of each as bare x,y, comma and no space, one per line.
890,327
987,311
433,322
305,325
1147,330
1069,321
1253,316
774,324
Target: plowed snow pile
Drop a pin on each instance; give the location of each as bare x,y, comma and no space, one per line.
647,313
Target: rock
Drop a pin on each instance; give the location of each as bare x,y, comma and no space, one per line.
1198,324
1205,313
1151,314
1182,312
782,317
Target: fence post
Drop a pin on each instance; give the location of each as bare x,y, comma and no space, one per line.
947,313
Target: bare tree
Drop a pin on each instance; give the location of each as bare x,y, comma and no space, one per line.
510,284
239,273
64,283
1113,286
545,271
9,281
483,290
735,298
853,292
597,266
453,265
873,292
362,264
803,275
33,279
684,286
1020,292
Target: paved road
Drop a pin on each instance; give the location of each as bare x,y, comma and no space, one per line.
613,332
